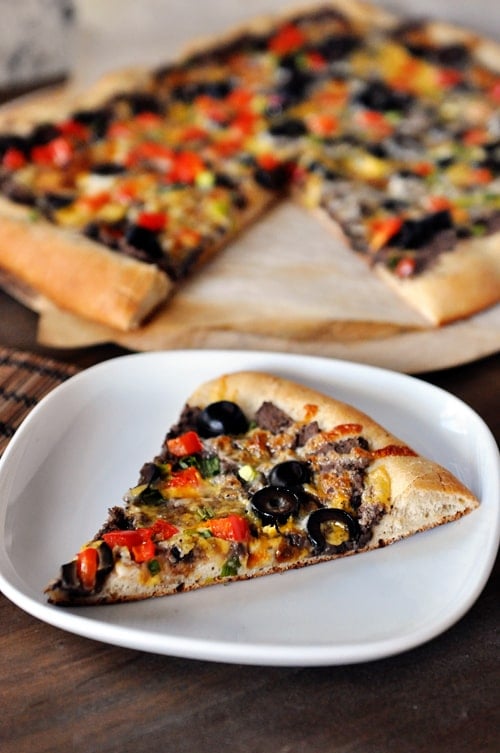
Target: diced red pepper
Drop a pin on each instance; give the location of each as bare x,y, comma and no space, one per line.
151,151
475,137
57,152
481,175
230,528
181,484
288,39
155,221
187,165
423,168
375,121
163,530
193,133
144,552
438,203
268,161
86,567
95,201
13,159
189,477
315,60
239,99
188,237
186,444
322,124
383,230
148,119
405,267
494,92
74,129
140,541
127,538
448,77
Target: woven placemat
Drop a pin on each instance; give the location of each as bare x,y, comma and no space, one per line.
24,379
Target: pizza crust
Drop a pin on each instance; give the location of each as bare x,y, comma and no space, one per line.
461,282
77,274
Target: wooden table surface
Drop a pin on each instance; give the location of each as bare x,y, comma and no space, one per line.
63,693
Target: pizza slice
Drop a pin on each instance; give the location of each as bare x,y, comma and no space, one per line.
259,475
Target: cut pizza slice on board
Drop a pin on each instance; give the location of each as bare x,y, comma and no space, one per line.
259,475
387,129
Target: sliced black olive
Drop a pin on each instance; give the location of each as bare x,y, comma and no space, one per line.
189,91
139,102
107,168
43,133
272,179
378,96
415,234
106,560
290,473
98,119
291,127
69,576
149,472
275,504
53,201
145,240
318,518
337,46
13,141
222,417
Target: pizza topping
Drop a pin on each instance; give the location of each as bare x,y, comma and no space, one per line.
275,504
323,537
290,473
222,417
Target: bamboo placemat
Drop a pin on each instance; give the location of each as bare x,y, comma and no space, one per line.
24,379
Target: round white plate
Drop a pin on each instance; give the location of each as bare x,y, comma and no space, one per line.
83,445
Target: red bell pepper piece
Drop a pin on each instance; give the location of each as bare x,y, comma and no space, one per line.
187,165
127,538
231,528
162,530
143,552
86,567
74,129
189,477
13,159
155,221
288,39
383,230
185,444
57,152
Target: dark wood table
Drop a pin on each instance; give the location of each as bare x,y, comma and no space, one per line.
60,692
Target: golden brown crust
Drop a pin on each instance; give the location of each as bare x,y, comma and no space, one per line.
459,284
77,274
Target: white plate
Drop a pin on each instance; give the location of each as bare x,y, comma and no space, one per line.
83,445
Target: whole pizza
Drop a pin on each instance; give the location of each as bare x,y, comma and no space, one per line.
387,128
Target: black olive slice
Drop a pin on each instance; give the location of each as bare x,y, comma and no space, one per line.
319,517
222,417
275,504
290,473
